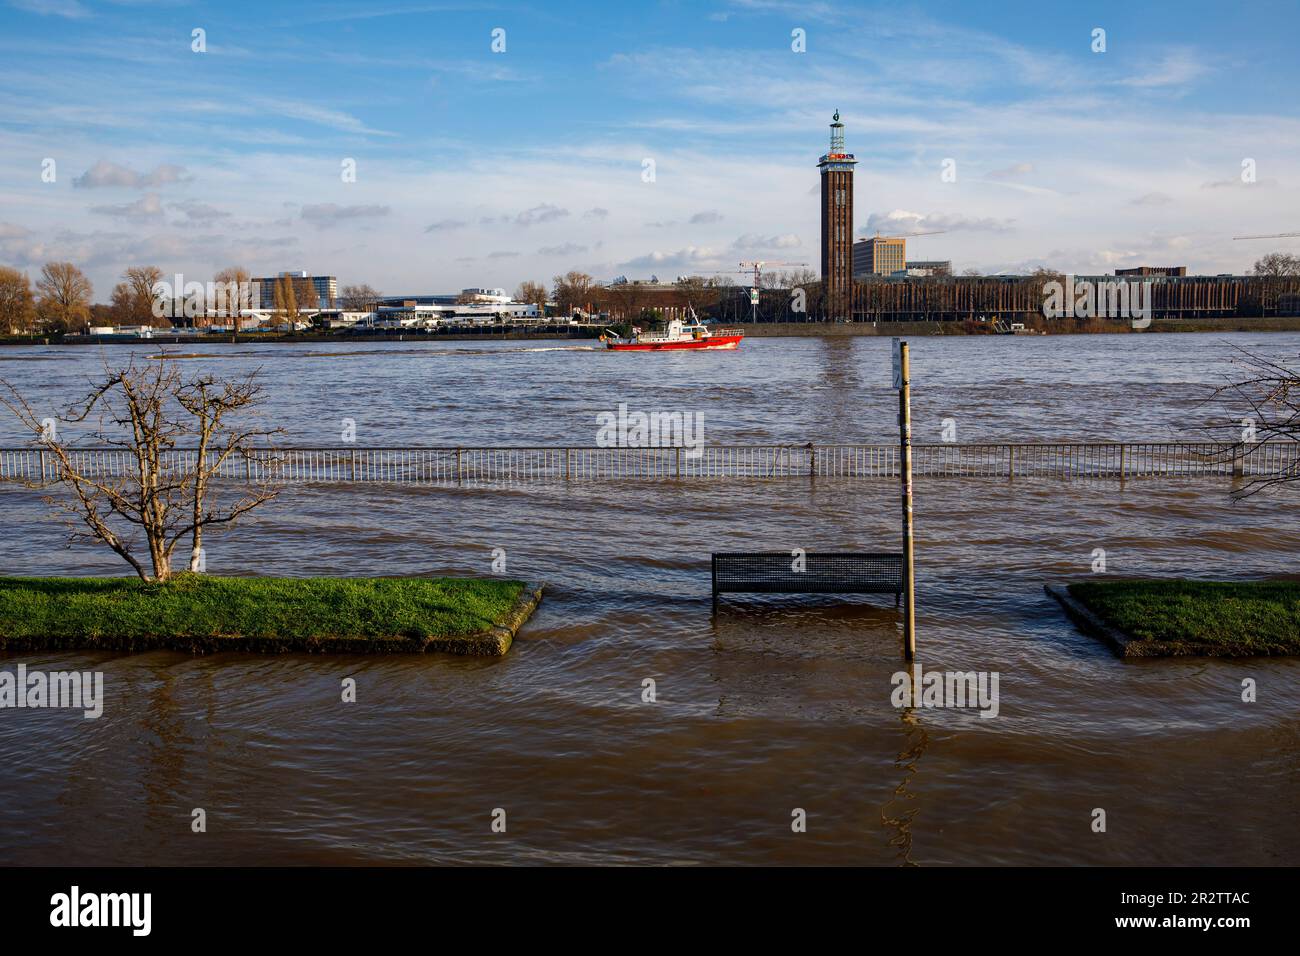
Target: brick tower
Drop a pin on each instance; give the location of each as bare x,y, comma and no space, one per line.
837,224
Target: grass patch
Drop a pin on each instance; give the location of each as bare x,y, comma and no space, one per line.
202,614
1234,619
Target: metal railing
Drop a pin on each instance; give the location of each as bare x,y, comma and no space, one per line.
450,465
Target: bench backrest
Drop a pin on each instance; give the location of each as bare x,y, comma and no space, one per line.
826,572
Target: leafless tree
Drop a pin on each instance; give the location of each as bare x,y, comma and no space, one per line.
1271,393
167,494
533,293
141,280
65,295
234,294
1278,264
572,291
358,298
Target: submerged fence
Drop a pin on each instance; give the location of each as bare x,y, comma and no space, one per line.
411,465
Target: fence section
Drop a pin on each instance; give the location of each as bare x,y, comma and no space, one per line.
347,465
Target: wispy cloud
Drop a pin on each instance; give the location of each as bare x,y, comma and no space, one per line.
329,214
148,206
69,9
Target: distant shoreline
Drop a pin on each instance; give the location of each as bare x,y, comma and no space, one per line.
589,333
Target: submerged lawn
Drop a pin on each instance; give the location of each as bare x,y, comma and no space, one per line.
203,613
1231,618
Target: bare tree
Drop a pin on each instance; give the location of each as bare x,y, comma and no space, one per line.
1271,392
1278,264
571,291
64,297
166,494
359,298
17,304
233,294
533,293
141,280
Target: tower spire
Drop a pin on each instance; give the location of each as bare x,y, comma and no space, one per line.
837,223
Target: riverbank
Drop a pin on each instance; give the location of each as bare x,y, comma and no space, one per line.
202,615
1163,618
751,329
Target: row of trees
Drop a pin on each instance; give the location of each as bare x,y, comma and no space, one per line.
61,300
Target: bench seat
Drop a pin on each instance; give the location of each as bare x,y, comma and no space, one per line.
772,572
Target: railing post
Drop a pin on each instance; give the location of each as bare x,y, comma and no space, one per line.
352,465
1239,464
42,454
679,462
458,467
812,460
1122,449
567,466
1011,461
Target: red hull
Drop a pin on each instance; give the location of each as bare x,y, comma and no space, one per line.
713,342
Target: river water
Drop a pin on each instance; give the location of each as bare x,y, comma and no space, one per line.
770,705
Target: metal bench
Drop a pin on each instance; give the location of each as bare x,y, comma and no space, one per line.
773,572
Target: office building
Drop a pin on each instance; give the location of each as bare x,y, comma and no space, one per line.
879,255
325,287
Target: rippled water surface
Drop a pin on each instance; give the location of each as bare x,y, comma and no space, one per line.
768,705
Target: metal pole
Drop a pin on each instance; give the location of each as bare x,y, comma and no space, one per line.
905,472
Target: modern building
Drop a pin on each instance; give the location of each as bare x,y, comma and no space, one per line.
929,267
879,255
326,288
837,224
1153,271
486,295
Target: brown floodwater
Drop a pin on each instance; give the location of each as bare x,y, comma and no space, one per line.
768,705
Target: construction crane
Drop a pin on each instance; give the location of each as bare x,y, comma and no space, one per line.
1276,235
911,235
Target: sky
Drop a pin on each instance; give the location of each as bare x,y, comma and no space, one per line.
497,143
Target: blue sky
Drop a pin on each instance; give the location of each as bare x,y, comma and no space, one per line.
476,167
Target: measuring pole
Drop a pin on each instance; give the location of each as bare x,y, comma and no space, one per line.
903,382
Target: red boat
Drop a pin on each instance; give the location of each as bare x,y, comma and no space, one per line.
678,335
